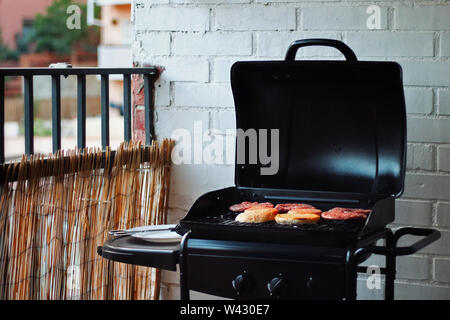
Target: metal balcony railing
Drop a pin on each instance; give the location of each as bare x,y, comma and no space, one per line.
149,75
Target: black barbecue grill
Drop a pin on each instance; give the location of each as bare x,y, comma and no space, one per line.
342,142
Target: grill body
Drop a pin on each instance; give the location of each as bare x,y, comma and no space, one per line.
303,272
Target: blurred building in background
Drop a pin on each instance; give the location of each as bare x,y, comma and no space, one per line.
16,18
116,36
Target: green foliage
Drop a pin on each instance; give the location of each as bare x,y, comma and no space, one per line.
41,128
5,52
51,32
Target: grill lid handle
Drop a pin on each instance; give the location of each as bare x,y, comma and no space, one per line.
342,47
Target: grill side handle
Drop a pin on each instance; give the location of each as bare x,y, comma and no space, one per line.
339,45
429,236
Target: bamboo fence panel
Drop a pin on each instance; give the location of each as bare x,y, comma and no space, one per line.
57,210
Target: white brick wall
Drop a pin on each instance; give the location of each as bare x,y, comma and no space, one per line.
420,157
445,45
422,18
419,101
342,17
255,18
213,44
197,41
444,102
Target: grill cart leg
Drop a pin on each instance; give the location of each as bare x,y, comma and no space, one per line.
390,266
350,274
388,250
184,290
391,251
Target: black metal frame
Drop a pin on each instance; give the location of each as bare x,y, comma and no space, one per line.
149,74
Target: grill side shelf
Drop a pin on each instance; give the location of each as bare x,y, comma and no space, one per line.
138,252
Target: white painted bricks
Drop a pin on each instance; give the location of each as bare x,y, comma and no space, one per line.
388,44
420,157
274,43
212,44
339,18
444,159
419,101
426,73
172,19
256,18
444,102
445,45
203,95
197,41
422,17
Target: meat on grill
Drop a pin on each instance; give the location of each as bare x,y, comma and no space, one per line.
285,207
345,214
240,207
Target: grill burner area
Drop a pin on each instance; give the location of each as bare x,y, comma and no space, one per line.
227,218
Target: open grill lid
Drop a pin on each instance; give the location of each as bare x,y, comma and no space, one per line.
342,124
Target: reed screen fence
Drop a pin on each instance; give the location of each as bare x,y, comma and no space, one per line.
56,210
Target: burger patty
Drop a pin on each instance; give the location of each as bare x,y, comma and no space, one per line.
240,207
345,214
285,207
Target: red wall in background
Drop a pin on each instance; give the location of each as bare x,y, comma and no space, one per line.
12,13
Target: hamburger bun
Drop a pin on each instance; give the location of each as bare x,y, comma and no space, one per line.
299,216
257,215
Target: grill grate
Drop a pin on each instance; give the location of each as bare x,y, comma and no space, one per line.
226,218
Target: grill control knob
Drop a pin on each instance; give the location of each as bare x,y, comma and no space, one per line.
275,286
310,283
241,283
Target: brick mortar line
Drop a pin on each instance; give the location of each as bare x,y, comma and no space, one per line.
428,282
436,43
434,215
437,145
430,117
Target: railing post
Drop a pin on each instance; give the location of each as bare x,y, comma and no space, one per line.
105,110
127,107
28,115
56,112
148,101
2,119
81,111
